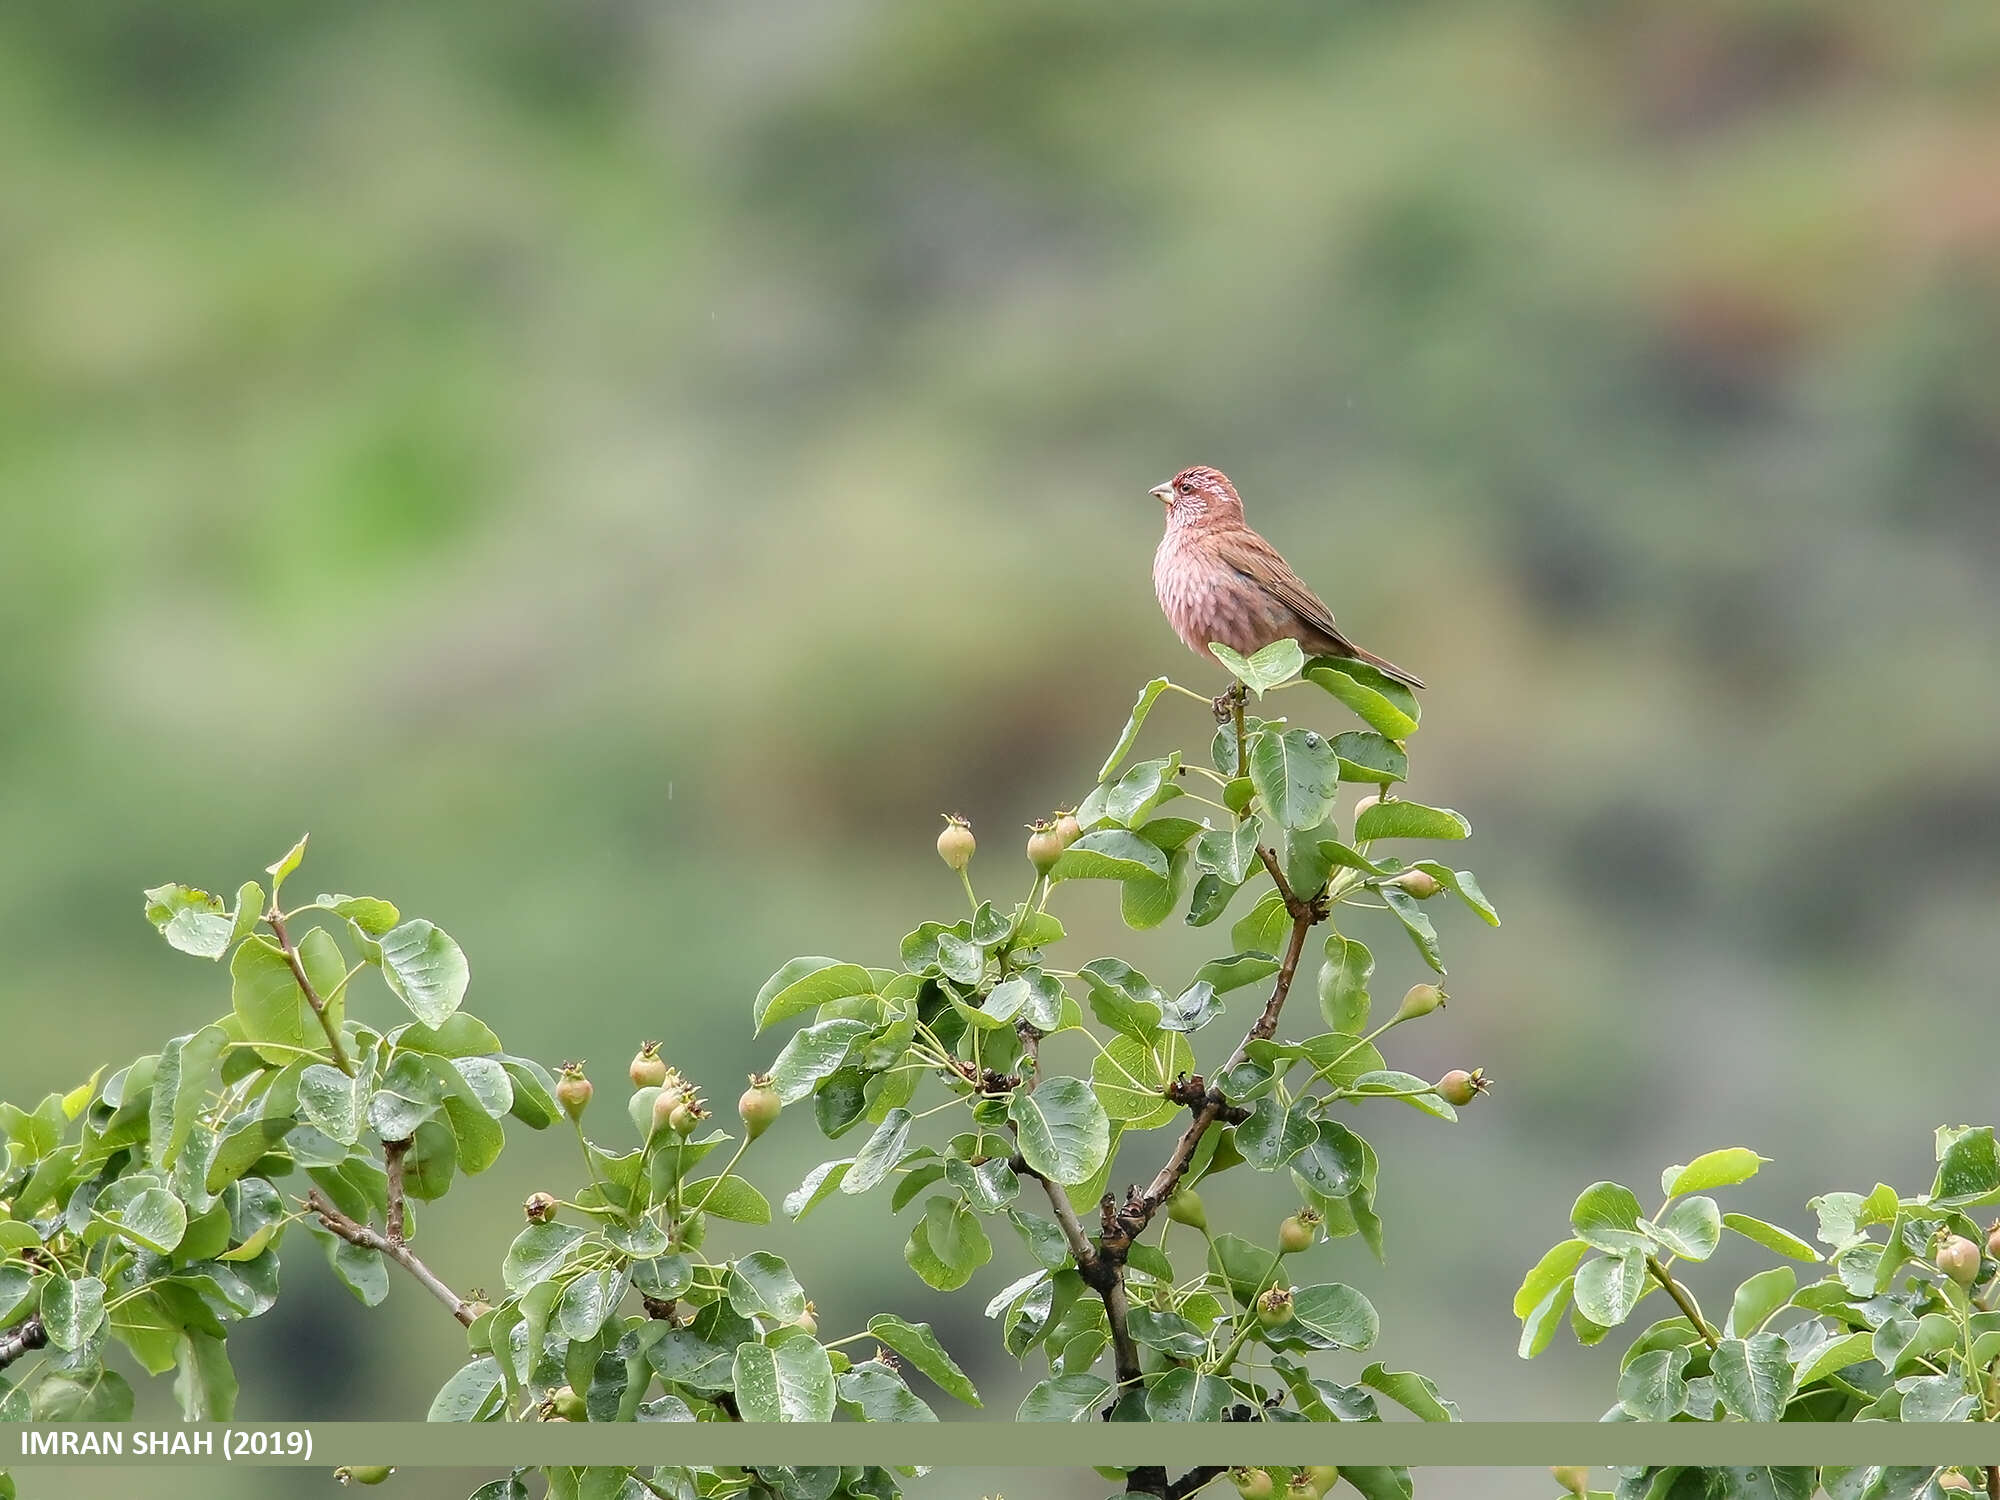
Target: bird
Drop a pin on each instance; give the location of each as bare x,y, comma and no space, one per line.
1217,580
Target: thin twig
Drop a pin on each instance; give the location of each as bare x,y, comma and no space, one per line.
369,1239
1193,1480
1686,1303
396,1221
276,921
22,1340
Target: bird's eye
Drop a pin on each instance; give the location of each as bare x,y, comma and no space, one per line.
1186,488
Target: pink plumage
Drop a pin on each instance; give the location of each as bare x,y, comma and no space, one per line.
1217,580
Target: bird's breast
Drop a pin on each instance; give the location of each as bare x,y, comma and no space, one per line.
1204,599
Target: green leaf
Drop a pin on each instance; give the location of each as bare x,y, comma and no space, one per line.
1142,789
947,1245
1148,696
1343,985
1065,1398
881,1153
1064,1131
728,1198
1540,1322
1335,1316
468,1393
180,1088
1416,922
271,1011
1754,1377
1692,1229
1835,1354
1264,669
1608,1288
1245,1268
1229,853
916,1343
538,1252
761,1285
1549,1272
1130,1079
1123,998
1296,775
1110,854
1186,1395
101,1396
1413,1392
205,1385
813,1053
1262,929
1653,1387
1968,1168
425,968
1724,1168
820,1184
327,1102
1235,971
586,1301
1378,1483
1606,1215
1168,1332
878,1394
1367,756
155,1219
1757,1298
1378,700
1274,1134
72,1310
792,1382
372,915
1192,1009
1400,819
192,921
1770,1236
806,984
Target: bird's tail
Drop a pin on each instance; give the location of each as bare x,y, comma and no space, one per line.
1386,667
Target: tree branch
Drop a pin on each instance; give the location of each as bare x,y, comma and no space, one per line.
1193,1480
21,1340
1686,1303
276,922
368,1239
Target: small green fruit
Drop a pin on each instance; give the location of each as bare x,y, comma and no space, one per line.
1185,1207
363,1473
1420,1000
540,1208
1322,1477
1252,1484
1068,830
648,1069
1298,1232
1460,1087
1574,1478
1419,883
573,1090
1045,846
1274,1307
808,1320
759,1106
1958,1258
568,1405
956,845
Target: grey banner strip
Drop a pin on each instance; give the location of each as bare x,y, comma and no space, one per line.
999,1444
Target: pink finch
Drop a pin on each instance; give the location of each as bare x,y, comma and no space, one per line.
1219,581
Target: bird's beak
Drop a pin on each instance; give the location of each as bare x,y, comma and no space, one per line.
1164,493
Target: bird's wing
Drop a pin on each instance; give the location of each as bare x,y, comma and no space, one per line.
1258,561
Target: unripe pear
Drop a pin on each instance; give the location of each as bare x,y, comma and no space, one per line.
759,1105
573,1090
1420,1000
1958,1258
648,1069
1460,1087
1252,1484
363,1473
1419,883
1045,846
1573,1478
956,845
1274,1307
1185,1207
540,1208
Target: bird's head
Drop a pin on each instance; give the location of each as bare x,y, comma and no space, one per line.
1199,494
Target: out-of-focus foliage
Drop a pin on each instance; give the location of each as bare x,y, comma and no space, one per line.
426,399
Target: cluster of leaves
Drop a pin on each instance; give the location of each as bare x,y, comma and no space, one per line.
683,1482
1869,1482
1902,1326
146,1208
978,1008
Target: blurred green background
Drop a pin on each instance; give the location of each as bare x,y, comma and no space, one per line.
615,472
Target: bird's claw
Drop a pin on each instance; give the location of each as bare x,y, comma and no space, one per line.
1226,704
